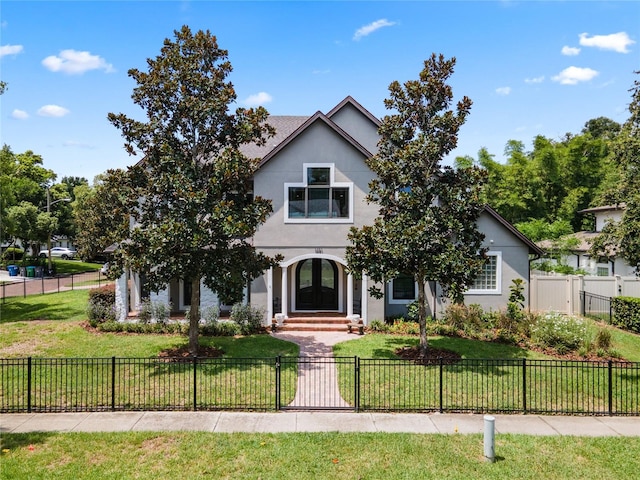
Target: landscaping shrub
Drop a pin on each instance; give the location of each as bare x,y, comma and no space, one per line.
403,327
626,313
226,328
379,326
563,333
248,318
469,319
102,305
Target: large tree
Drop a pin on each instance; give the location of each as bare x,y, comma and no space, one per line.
427,222
623,238
196,212
102,212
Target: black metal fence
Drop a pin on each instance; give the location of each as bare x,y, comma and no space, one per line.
346,383
40,285
596,306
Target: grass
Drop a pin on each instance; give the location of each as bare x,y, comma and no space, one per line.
70,305
336,456
74,266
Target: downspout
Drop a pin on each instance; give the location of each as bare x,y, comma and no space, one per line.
533,258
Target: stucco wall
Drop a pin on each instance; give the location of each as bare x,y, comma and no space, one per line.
318,144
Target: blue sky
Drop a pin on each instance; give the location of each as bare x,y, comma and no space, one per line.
531,68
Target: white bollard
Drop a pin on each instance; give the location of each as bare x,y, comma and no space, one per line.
490,438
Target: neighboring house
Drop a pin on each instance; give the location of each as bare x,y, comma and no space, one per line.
314,172
579,257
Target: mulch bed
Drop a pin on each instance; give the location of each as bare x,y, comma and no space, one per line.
182,354
434,356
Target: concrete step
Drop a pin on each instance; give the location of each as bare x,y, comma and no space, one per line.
316,320
316,327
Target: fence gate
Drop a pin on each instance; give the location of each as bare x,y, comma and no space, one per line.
316,382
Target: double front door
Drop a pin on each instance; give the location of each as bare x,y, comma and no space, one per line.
317,285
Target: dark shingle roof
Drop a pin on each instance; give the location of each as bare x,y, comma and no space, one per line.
285,125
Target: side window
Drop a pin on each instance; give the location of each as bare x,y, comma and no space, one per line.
402,290
490,278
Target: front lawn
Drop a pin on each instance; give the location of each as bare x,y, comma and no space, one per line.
295,456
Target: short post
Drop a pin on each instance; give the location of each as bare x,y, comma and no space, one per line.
489,438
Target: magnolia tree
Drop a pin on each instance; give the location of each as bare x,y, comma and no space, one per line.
195,211
427,222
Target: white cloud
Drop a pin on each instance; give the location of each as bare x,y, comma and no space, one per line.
10,50
570,51
372,27
74,62
258,99
19,114
52,111
618,42
503,91
539,79
573,75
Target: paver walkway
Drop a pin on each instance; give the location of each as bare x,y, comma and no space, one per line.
317,370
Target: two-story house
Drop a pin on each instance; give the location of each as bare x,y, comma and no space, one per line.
315,174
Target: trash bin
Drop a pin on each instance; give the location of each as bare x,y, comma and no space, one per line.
31,271
13,270
39,272
23,271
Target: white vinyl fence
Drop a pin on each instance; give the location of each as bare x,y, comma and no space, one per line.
561,293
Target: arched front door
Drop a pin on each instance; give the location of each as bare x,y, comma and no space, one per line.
317,285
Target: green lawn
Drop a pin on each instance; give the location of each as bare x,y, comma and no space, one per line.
70,305
295,456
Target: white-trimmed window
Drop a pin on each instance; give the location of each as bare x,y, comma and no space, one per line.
490,278
319,198
402,290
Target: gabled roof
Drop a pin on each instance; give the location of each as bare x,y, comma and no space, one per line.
349,100
533,248
317,117
284,125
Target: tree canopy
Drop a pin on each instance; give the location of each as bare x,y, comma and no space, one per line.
623,238
195,210
426,225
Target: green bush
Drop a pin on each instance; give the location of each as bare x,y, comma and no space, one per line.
102,305
144,328
378,326
469,319
226,328
563,333
626,313
248,318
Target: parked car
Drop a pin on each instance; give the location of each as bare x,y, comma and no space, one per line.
62,252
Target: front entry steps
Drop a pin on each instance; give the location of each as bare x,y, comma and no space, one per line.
325,322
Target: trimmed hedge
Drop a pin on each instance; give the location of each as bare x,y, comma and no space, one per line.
626,313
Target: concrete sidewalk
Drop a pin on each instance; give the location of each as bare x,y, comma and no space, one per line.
279,422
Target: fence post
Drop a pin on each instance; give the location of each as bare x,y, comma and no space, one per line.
610,368
24,288
113,383
278,381
72,281
195,384
441,389
356,383
29,385
524,385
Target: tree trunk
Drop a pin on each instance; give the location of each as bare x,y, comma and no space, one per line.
194,316
422,316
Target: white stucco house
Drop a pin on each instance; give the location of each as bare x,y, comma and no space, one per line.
315,174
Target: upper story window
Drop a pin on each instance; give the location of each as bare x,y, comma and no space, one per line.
319,198
490,278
